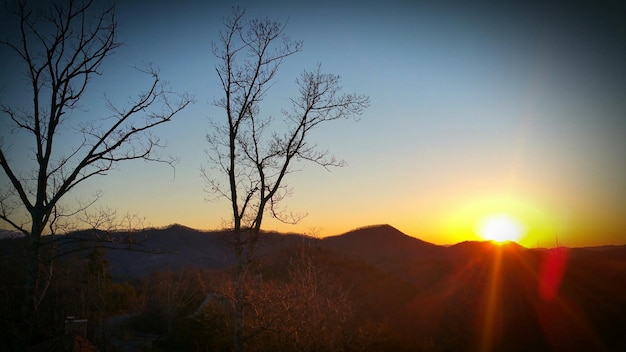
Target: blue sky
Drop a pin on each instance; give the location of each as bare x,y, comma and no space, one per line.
476,109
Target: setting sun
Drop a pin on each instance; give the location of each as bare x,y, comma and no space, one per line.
500,228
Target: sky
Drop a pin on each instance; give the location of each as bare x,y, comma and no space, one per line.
477,109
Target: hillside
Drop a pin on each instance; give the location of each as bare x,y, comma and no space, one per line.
444,293
468,296
174,248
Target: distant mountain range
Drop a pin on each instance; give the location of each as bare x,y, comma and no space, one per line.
176,246
529,299
9,234
383,246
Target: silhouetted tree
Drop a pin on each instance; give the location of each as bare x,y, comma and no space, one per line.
253,154
62,50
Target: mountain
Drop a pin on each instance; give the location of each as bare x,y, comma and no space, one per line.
171,248
379,242
176,247
467,296
387,248
5,234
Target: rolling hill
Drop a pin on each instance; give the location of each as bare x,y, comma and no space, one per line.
468,296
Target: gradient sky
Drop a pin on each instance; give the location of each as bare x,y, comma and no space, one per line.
477,109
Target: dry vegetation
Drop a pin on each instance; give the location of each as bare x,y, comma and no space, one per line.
317,295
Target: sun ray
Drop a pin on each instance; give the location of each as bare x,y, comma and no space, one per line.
492,303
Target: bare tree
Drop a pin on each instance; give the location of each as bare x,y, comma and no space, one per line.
62,50
251,154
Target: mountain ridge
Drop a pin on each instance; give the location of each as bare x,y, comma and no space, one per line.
177,246
427,292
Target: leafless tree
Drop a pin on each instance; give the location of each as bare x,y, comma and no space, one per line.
251,154
62,49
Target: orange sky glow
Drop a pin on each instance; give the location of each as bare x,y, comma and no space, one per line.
475,111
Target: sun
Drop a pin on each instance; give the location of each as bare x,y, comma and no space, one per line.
500,228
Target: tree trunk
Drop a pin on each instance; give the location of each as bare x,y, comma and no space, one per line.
239,309
239,297
29,308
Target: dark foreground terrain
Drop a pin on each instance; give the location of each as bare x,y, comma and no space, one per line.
374,288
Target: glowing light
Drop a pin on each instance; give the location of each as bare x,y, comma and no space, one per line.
501,228
537,219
